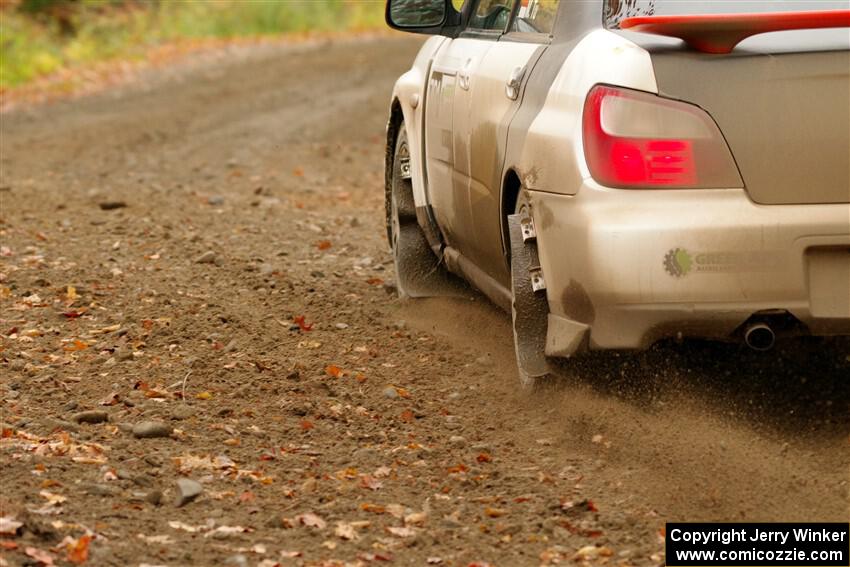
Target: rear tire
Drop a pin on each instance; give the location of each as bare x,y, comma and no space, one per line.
419,272
529,309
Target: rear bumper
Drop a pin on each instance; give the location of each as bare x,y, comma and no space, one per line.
637,266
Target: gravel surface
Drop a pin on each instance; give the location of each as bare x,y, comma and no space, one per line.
204,361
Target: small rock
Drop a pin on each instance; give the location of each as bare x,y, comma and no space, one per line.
267,269
122,354
238,560
215,200
93,489
93,416
208,257
390,393
54,424
182,412
151,429
187,490
457,441
154,497
484,360
112,205
341,326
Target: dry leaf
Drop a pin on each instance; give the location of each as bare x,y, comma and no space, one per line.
43,557
78,552
311,520
402,532
345,531
9,525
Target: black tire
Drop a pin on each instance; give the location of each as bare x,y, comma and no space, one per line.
529,309
419,272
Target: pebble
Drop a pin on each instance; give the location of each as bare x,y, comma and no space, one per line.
54,424
93,416
93,489
237,560
123,354
187,490
457,441
484,360
154,497
341,326
208,257
112,205
215,200
151,429
182,412
390,393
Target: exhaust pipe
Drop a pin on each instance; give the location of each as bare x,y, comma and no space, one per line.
759,337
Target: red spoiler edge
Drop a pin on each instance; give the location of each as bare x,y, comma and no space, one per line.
720,33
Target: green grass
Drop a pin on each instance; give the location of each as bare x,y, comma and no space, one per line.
32,46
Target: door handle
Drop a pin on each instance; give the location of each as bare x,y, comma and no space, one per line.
463,76
514,83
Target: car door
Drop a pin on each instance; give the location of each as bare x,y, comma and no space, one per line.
451,72
482,116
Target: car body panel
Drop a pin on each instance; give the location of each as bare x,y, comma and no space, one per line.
641,265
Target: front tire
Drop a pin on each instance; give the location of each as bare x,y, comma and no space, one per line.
529,308
419,272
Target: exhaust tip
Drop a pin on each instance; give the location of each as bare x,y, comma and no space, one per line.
760,337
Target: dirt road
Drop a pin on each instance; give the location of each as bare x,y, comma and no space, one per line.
196,285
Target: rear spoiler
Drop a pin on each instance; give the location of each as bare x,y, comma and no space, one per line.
720,33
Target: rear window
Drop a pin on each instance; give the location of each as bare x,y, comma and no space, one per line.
617,10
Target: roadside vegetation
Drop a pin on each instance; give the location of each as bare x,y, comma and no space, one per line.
42,37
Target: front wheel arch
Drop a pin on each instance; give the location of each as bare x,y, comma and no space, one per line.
394,126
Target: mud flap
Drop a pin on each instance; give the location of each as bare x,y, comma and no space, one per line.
529,309
419,272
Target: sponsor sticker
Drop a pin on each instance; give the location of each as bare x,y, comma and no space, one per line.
680,262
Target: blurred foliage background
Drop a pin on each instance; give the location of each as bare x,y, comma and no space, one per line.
40,37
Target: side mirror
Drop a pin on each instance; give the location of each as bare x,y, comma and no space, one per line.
421,16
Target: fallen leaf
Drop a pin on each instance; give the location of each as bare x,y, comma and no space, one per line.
345,531
407,416
43,557
591,551
311,520
203,396
401,532
75,346
53,499
416,518
302,323
9,525
78,552
334,371
323,244
484,458
370,482
494,512
374,508
306,424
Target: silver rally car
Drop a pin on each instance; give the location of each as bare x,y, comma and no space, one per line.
616,172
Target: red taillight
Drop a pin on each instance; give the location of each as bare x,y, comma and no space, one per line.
639,140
